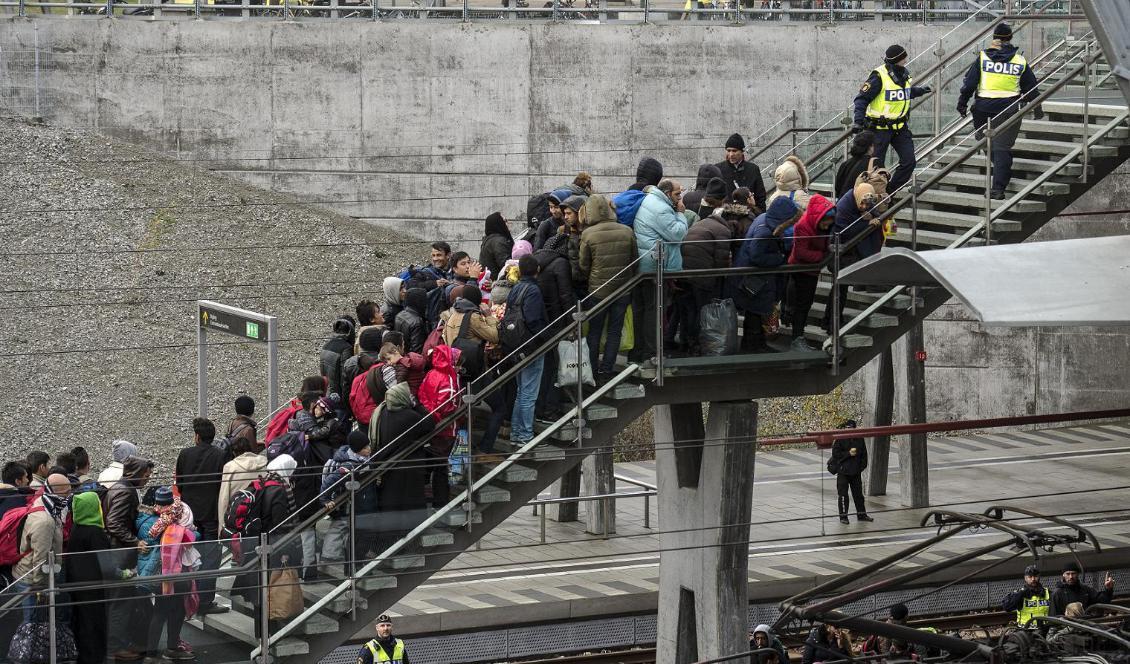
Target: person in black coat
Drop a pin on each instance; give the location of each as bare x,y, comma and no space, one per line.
411,320
738,173
859,155
825,643
849,460
199,471
556,286
496,245
1071,590
89,561
402,499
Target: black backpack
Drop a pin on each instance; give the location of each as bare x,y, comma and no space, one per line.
537,209
471,362
223,443
513,330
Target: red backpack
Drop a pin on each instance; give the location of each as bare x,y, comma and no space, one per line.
242,519
12,530
280,423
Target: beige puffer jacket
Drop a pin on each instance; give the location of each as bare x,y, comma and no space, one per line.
791,176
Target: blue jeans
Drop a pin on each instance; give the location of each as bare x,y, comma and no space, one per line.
529,383
614,315
29,601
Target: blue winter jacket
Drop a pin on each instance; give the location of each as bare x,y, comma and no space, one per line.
627,204
657,220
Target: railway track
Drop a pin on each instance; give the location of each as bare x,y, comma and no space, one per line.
987,620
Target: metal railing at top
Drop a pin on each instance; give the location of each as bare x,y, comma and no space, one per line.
717,12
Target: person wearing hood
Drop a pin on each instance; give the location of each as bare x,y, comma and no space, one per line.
1004,82
556,284
399,424
692,200
509,275
707,246
659,220
164,523
549,227
737,172
849,458
483,325
120,509
440,395
826,643
88,561
120,450
1032,600
275,505
336,352
411,320
607,250
763,247
810,247
627,203
856,215
574,224
324,435
494,249
791,178
1070,590
1071,640
860,153
393,291
763,637
883,106
336,473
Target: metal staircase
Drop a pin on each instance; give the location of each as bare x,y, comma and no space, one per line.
1058,159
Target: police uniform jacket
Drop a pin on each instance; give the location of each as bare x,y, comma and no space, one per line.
1002,54
874,85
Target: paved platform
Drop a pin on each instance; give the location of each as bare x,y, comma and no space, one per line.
797,540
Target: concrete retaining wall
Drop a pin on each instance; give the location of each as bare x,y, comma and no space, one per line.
427,128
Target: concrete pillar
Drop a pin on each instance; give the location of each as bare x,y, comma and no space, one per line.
598,479
705,503
569,486
880,452
913,462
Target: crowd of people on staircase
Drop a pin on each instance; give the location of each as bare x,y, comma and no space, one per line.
393,374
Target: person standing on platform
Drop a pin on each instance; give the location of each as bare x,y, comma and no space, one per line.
883,106
1032,600
849,460
1004,82
384,648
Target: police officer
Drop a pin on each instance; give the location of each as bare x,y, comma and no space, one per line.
384,648
883,105
1032,600
1003,82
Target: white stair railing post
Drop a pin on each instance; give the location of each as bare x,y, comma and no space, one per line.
988,181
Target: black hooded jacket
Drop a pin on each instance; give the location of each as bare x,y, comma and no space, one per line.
555,278
1086,595
848,464
745,174
410,321
693,199
497,243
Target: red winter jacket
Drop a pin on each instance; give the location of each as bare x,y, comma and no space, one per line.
280,423
810,244
440,385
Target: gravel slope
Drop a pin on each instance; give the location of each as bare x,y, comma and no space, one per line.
97,339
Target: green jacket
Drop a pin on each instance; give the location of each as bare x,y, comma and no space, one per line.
607,247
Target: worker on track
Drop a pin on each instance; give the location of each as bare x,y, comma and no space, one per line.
1030,601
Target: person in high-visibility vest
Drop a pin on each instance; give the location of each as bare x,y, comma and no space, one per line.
1003,82
1032,600
384,648
883,106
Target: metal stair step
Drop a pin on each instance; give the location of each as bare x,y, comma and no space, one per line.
817,334
375,580
627,391
544,451
951,219
564,434
515,473
1076,108
899,302
977,201
600,411
433,538
1072,129
242,628
875,320
313,592
317,623
1044,146
455,519
1021,164
406,561
927,238
961,179
492,494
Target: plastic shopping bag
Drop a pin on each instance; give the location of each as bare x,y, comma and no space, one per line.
568,363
